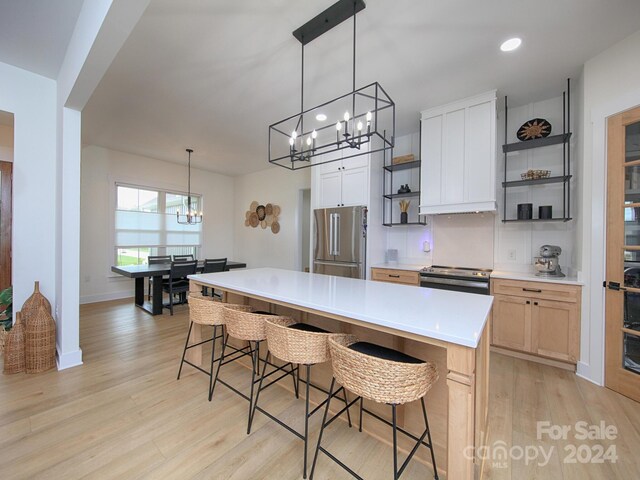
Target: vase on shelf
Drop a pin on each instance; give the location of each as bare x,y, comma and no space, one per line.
404,217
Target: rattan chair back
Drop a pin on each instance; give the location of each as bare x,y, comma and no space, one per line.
207,311
377,379
296,346
247,325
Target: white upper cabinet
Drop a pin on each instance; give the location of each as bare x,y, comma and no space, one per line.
344,182
459,156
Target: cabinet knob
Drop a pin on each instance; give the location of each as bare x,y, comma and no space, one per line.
535,303
528,302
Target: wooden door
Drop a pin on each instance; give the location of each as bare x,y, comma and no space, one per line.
622,333
511,324
6,174
554,330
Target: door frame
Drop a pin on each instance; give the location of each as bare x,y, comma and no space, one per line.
615,377
6,226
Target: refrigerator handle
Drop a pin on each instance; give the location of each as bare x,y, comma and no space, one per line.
331,234
336,244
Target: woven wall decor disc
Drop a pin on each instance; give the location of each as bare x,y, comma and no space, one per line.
253,220
275,227
535,128
268,209
261,211
276,210
253,206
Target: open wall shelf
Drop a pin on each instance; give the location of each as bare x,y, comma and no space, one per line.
536,143
390,197
564,179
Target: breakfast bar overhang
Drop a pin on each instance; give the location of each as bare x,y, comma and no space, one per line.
448,328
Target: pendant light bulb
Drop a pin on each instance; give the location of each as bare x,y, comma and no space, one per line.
338,126
346,116
309,141
359,126
291,141
369,116
294,134
314,134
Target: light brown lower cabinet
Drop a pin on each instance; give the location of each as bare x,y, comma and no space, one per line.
526,321
405,277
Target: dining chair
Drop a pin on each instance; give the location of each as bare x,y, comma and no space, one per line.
156,260
178,282
213,265
183,258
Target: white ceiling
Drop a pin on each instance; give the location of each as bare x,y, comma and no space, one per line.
34,34
212,75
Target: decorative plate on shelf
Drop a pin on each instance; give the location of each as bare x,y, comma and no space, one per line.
535,128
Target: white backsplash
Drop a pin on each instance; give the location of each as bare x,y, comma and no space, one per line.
409,242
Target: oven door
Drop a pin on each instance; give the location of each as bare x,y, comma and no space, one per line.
455,284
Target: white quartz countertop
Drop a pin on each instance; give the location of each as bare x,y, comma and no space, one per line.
453,317
531,277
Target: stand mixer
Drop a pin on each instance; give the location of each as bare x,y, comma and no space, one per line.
548,264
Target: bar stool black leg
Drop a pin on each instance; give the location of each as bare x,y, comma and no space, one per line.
324,421
395,442
346,402
296,383
256,364
306,418
213,357
426,424
220,360
184,352
255,404
360,423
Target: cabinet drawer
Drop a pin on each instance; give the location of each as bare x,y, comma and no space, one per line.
395,276
541,290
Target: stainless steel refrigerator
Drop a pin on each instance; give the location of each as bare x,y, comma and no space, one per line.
340,241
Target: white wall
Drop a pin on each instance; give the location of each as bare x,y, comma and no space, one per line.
6,143
101,169
610,84
261,248
525,239
32,100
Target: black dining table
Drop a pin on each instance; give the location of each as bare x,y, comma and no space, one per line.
156,271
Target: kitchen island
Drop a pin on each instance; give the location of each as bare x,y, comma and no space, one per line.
447,328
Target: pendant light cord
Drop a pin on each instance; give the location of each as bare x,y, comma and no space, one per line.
353,105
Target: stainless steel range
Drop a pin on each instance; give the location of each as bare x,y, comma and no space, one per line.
469,280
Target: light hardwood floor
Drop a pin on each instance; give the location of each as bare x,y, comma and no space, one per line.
123,415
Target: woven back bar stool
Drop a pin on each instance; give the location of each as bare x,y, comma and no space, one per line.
250,326
205,311
385,376
296,344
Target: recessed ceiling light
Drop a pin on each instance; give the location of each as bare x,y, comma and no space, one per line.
511,44
321,117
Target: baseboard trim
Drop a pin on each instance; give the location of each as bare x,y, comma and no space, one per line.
69,359
105,297
584,371
534,358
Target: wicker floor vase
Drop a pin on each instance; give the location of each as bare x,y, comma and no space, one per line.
33,303
14,357
40,342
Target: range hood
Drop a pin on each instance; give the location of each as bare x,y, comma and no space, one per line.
454,208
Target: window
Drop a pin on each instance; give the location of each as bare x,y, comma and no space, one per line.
145,224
